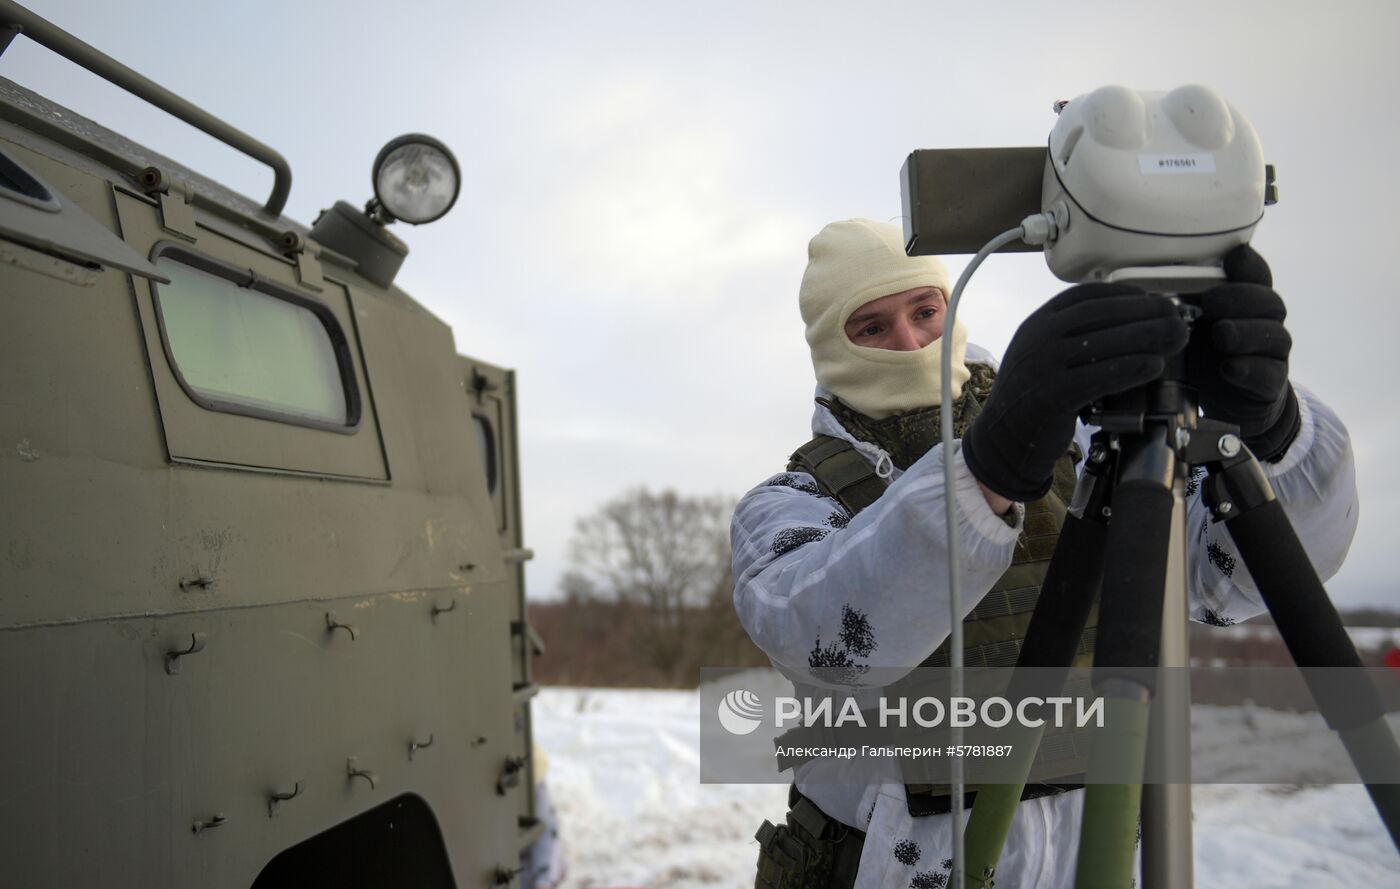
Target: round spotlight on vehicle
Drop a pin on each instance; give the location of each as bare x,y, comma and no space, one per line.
416,179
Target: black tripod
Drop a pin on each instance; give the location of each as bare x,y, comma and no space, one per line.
1135,474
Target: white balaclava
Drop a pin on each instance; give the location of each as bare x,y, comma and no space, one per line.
849,264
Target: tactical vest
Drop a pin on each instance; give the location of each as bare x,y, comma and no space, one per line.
993,632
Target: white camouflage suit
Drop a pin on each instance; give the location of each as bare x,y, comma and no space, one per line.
800,560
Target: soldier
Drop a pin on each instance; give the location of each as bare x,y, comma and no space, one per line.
839,563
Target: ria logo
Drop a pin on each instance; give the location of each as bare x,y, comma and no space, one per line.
740,712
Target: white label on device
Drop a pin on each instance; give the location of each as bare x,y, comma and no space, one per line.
1176,163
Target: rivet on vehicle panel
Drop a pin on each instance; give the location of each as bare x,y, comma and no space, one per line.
200,826
276,797
354,771
172,658
414,746
332,625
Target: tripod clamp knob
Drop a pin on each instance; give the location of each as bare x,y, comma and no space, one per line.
1236,482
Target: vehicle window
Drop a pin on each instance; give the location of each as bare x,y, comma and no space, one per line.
486,440
254,349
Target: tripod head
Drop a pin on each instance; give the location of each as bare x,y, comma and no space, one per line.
1169,398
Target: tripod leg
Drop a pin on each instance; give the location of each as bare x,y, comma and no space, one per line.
1066,597
1129,636
1238,493
1166,807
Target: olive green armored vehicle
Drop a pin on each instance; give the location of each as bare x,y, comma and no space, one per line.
261,585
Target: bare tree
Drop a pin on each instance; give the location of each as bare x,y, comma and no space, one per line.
667,555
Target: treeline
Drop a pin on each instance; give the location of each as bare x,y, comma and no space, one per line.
1371,617
1351,617
596,643
648,598
589,642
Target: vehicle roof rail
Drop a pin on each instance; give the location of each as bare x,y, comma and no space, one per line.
15,19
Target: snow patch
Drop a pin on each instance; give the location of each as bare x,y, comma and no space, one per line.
624,772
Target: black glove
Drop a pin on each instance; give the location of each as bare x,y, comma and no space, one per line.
1091,341
1238,357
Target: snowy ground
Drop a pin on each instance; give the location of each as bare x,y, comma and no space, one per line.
624,771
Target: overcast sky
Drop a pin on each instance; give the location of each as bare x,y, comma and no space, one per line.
641,180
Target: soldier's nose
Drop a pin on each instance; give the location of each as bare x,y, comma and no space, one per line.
905,337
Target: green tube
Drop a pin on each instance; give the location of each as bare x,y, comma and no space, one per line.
987,828
1117,753
995,808
1109,836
